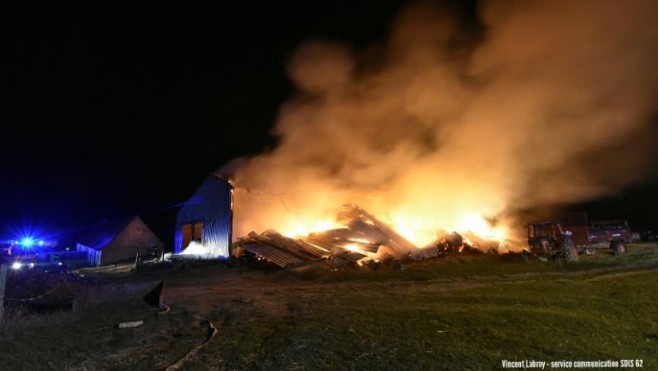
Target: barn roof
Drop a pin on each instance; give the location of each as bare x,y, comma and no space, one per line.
100,235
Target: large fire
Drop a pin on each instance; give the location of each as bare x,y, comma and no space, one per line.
300,228
360,237
422,233
417,222
447,127
419,232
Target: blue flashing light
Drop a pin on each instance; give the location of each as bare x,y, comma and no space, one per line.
29,238
27,242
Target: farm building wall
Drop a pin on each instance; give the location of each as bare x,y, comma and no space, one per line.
117,241
93,255
207,218
135,238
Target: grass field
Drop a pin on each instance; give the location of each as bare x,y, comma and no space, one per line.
463,313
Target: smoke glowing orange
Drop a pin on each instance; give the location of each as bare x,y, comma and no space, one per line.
452,128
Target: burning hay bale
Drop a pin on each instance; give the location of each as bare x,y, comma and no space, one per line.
363,240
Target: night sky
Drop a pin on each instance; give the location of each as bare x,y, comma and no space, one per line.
115,109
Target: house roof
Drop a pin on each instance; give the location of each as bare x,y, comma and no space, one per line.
100,235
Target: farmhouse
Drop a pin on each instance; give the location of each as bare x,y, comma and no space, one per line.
117,240
206,219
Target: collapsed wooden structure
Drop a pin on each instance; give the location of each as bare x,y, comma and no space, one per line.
362,241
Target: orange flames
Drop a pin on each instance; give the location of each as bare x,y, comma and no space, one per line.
449,131
299,228
418,231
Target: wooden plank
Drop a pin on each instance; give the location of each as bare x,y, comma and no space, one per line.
323,244
289,244
315,250
401,245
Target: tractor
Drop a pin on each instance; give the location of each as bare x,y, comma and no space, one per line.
548,241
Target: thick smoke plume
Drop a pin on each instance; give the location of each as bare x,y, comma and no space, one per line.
453,121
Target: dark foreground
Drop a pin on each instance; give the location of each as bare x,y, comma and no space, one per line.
456,313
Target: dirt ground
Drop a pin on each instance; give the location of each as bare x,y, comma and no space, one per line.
270,302
274,291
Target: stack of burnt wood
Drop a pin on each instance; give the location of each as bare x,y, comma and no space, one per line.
364,241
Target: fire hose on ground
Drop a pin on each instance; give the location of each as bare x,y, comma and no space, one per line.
180,362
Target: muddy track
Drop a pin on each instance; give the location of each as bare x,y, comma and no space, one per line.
275,292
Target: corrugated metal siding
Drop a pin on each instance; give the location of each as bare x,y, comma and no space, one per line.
93,255
280,257
212,204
